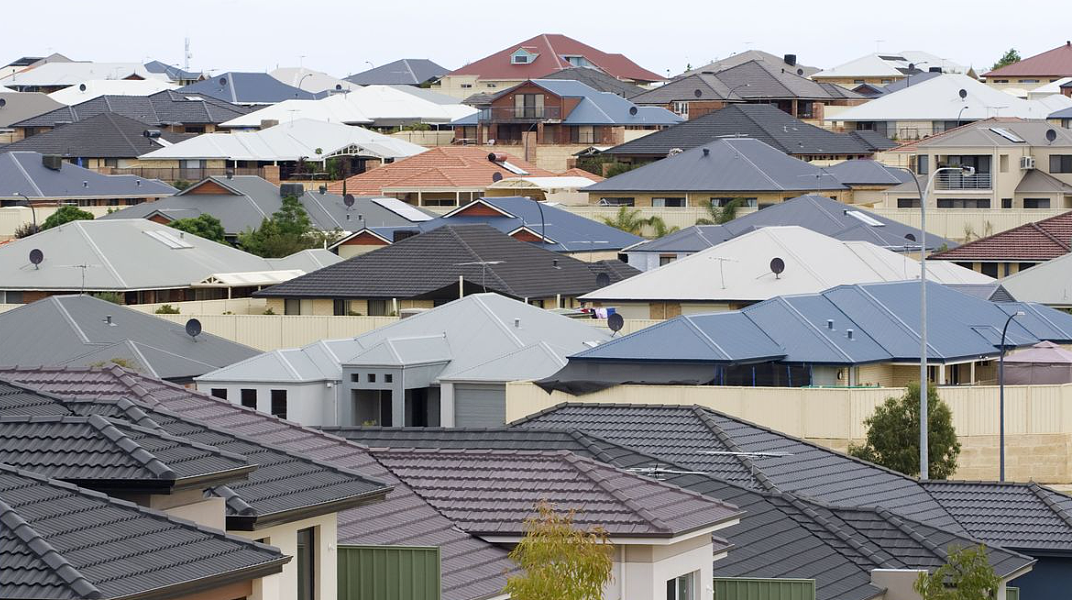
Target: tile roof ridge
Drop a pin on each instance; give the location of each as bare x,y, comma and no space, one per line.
30,180
919,538
126,377
1041,494
233,500
135,451
111,119
1052,237
748,463
589,470
877,556
162,434
59,565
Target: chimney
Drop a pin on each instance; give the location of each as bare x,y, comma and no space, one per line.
52,161
790,59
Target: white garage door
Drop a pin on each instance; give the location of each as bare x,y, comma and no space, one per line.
479,405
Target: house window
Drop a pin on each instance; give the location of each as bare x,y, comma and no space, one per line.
1028,81
578,61
291,306
1061,163
1036,202
681,108
1026,266
371,378
908,203
340,308
306,559
747,202
528,106
887,81
377,307
964,203
1006,203
355,377
111,162
249,398
279,403
857,81
677,202
665,259
617,201
1001,81
219,393
388,378
990,269
922,161
522,57
490,85
466,86
683,587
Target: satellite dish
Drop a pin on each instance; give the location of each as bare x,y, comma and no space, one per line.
800,72
911,66
633,110
496,176
602,280
697,93
81,87
1051,134
193,328
963,93
36,257
910,237
777,266
229,173
338,87
223,81
3,103
348,200
323,190
615,322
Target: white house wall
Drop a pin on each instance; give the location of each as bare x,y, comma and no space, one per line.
309,403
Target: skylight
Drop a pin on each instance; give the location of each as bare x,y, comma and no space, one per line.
169,239
865,218
1005,133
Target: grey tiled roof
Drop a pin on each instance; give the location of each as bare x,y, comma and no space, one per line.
61,542
598,80
160,109
405,71
754,80
246,88
107,135
434,260
1015,515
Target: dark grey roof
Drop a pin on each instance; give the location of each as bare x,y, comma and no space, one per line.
598,80
160,109
471,568
910,80
748,55
1061,114
17,106
112,455
724,164
25,173
868,172
62,330
252,199
61,542
764,122
106,135
817,213
172,73
246,88
873,139
754,80
427,264
405,71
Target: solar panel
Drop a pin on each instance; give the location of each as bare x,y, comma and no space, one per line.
866,218
1005,133
169,239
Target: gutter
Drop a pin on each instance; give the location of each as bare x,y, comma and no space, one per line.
255,522
208,583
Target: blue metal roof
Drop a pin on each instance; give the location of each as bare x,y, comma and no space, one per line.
883,317
247,88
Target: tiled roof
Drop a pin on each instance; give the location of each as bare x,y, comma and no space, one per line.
61,542
1051,63
598,80
755,80
405,71
160,109
492,492
1013,515
550,50
107,135
246,88
465,167
1042,240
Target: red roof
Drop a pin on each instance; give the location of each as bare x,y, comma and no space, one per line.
1042,240
1052,63
550,49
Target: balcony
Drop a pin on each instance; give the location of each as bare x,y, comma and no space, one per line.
520,114
956,180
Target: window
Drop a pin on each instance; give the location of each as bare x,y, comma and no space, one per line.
219,393
617,202
665,259
990,269
922,162
1001,81
748,202
306,559
578,61
1006,203
371,378
279,403
377,307
111,162
388,378
668,202
292,306
887,81
969,203
681,108
857,81
1025,266
340,308
1061,163
1036,202
522,57
528,106
682,588
249,398
466,86
1028,81
355,377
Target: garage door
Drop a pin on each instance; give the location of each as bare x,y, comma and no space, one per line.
479,405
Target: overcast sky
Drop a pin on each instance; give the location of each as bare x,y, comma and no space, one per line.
344,37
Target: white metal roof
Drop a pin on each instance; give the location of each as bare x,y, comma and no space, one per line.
1048,283
740,269
333,109
887,64
543,183
72,73
109,87
287,142
249,278
310,80
1054,87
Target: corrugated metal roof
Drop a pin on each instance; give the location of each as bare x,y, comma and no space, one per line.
24,173
246,88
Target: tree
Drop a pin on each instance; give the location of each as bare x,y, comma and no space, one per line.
893,435
659,226
26,230
967,575
205,226
559,561
287,231
66,214
721,214
1011,56
113,297
627,220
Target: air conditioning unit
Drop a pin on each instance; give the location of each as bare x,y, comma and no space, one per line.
1027,162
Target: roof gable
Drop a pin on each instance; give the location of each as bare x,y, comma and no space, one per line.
1051,63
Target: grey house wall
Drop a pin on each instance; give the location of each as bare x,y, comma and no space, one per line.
399,381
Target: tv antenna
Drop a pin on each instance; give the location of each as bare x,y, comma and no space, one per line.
84,266
484,264
721,272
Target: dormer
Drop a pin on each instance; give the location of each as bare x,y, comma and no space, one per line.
521,56
576,60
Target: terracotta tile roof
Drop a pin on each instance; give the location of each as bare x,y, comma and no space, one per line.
1042,240
449,166
550,49
1052,63
576,172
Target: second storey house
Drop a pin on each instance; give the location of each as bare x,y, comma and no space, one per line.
1034,71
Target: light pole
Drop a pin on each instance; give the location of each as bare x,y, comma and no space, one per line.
25,200
1001,394
300,81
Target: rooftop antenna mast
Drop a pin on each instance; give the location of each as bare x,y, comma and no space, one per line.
721,260
186,56
83,266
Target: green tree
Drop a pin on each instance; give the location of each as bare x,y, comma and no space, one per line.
113,297
627,219
204,225
66,214
180,184
659,226
967,575
1011,56
559,561
721,214
893,435
287,231
167,309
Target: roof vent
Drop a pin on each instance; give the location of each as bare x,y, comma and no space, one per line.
554,263
517,323
707,152
848,333
830,324
790,59
108,321
707,72
52,161
151,133
291,189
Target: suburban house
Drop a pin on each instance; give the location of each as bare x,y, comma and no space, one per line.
446,367
255,490
534,58
81,331
174,73
556,112
763,122
1035,71
404,71
1062,118
593,78
874,90
166,111
786,61
717,172
939,104
28,62
433,268
51,76
753,82
762,264
1019,166
855,335
246,88
886,68
443,176
1017,249
102,142
1049,282
521,218
46,179
870,180
311,80
94,88
19,106
141,261
284,151
241,202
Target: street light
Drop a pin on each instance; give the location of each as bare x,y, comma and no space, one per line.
25,200
1001,393
300,81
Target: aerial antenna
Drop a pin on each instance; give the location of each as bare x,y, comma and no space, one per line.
483,269
193,328
36,257
83,266
721,273
186,56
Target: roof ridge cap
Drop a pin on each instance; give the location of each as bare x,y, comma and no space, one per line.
1035,224
588,469
133,449
912,533
837,532
1061,512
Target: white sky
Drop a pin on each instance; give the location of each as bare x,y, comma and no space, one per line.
339,36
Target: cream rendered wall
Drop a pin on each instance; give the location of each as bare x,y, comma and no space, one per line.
210,512
641,571
284,586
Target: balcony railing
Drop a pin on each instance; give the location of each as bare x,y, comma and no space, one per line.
172,174
520,114
955,180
